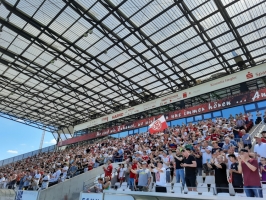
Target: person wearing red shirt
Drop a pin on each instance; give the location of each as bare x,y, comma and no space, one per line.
132,176
263,136
145,156
215,136
108,171
250,168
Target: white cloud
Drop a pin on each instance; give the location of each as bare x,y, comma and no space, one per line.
53,141
12,151
22,144
20,120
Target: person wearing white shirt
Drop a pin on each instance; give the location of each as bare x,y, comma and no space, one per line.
259,148
45,180
160,177
2,181
64,170
231,151
55,177
206,156
36,180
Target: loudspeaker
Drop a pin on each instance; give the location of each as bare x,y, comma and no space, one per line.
243,87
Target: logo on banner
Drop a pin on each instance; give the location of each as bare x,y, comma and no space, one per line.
157,125
249,75
184,95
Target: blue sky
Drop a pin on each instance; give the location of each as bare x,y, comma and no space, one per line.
17,138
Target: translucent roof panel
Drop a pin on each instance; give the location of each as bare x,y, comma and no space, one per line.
77,60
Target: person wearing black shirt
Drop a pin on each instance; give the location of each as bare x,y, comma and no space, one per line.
220,174
190,166
235,176
179,170
198,157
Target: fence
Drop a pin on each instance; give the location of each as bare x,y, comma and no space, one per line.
26,155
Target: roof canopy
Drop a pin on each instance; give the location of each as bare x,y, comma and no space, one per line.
63,62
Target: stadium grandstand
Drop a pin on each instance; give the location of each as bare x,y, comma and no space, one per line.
146,99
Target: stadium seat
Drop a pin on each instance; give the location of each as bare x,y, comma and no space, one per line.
177,189
202,187
117,185
213,188
199,179
124,185
209,180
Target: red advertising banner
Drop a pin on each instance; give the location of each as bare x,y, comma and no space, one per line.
240,99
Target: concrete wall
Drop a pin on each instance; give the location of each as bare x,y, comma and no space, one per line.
71,188
6,194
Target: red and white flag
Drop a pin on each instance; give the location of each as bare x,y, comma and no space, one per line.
158,125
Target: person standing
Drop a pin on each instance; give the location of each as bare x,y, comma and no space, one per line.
206,151
259,148
144,177
220,174
132,176
108,170
250,168
246,139
160,177
190,166
235,175
179,170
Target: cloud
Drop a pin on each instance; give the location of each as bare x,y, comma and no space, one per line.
20,120
12,151
53,141
22,144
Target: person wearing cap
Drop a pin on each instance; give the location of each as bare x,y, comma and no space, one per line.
250,169
144,177
190,165
160,176
259,148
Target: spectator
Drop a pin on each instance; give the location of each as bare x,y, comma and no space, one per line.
166,165
259,148
107,184
108,170
144,177
263,170
235,175
27,180
206,157
220,174
73,170
240,123
263,136
258,114
160,177
250,168
230,151
198,156
190,166
2,180
246,139
179,170
98,188
55,177
36,180
132,176
121,173
45,180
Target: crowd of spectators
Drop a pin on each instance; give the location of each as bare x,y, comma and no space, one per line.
184,151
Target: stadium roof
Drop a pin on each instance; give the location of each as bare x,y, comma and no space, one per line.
63,61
